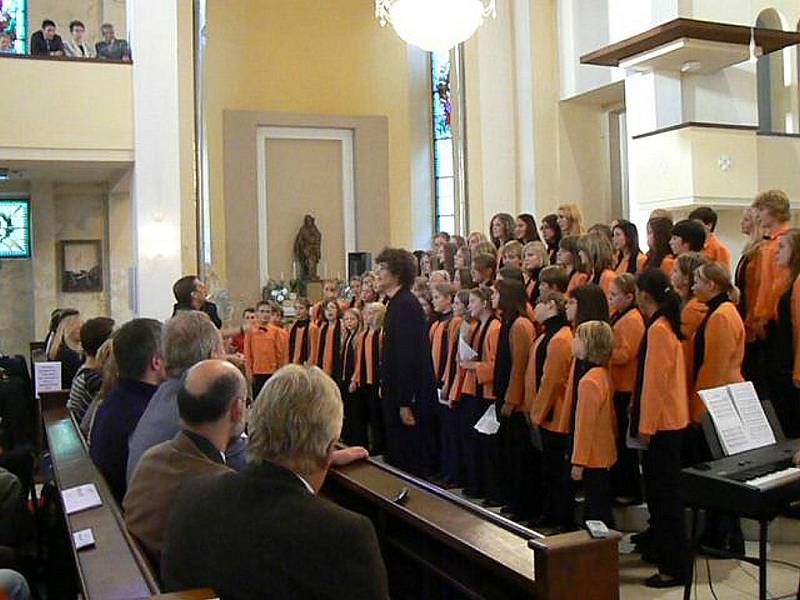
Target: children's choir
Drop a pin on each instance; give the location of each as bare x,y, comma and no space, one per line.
588,350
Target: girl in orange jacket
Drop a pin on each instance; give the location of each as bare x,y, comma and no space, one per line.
367,376
478,390
568,257
692,311
595,250
354,429
628,326
625,238
327,342
513,456
593,438
659,254
783,352
549,364
659,416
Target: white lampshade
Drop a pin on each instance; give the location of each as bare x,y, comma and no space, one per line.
436,25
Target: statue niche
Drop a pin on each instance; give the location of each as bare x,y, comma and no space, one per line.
308,249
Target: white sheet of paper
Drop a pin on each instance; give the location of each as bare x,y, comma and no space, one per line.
488,423
47,376
465,351
729,426
83,538
442,396
81,497
751,413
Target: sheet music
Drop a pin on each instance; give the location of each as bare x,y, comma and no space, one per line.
751,413
729,426
465,351
488,423
80,498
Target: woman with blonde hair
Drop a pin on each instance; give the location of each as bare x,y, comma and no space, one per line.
501,229
570,219
475,238
746,280
66,348
534,258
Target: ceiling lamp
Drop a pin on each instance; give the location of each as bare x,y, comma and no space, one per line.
434,25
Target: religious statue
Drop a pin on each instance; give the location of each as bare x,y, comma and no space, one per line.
308,249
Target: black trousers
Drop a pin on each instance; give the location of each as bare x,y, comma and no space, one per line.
597,500
626,480
411,448
662,466
375,420
471,410
491,457
521,467
559,502
450,445
259,379
355,427
785,400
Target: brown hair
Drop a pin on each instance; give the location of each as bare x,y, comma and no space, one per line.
687,264
508,226
626,283
486,248
776,201
557,298
555,276
720,276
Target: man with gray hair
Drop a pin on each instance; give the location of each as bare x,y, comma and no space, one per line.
212,405
189,337
264,532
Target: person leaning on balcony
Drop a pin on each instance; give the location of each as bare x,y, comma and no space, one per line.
78,47
46,42
111,48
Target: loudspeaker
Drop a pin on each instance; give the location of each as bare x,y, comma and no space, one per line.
358,263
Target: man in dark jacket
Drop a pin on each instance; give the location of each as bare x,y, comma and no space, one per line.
408,383
46,42
190,294
264,533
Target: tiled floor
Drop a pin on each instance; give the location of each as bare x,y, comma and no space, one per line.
732,580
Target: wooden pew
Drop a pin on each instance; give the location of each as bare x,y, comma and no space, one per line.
436,544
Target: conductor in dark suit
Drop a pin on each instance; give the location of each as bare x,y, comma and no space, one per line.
408,383
264,532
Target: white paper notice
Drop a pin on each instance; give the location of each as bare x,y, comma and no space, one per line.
443,399
730,429
465,351
488,423
47,376
80,498
83,538
747,404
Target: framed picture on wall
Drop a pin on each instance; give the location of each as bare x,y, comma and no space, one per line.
81,265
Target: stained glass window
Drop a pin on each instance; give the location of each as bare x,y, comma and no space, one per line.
15,228
14,26
443,171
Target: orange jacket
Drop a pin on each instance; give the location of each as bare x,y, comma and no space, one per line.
576,280
325,347
664,403
451,355
668,264
771,283
263,350
438,335
622,267
692,315
722,357
520,338
607,277
628,335
367,370
595,436
548,399
483,374
456,386
303,335
717,252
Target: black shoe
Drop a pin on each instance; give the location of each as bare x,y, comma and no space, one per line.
657,581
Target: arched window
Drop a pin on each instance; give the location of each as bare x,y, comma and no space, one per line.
14,26
775,111
449,191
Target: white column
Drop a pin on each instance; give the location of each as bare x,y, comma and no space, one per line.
156,186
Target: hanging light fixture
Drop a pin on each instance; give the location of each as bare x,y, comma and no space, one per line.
434,25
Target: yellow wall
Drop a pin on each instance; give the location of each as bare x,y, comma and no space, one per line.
88,107
309,57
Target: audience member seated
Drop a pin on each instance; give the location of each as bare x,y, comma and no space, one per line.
211,405
107,368
110,47
264,533
190,294
46,42
88,379
189,337
13,586
138,356
66,347
77,47
6,44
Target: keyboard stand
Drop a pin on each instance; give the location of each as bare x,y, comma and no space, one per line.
760,562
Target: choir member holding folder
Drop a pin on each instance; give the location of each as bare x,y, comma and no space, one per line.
659,416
